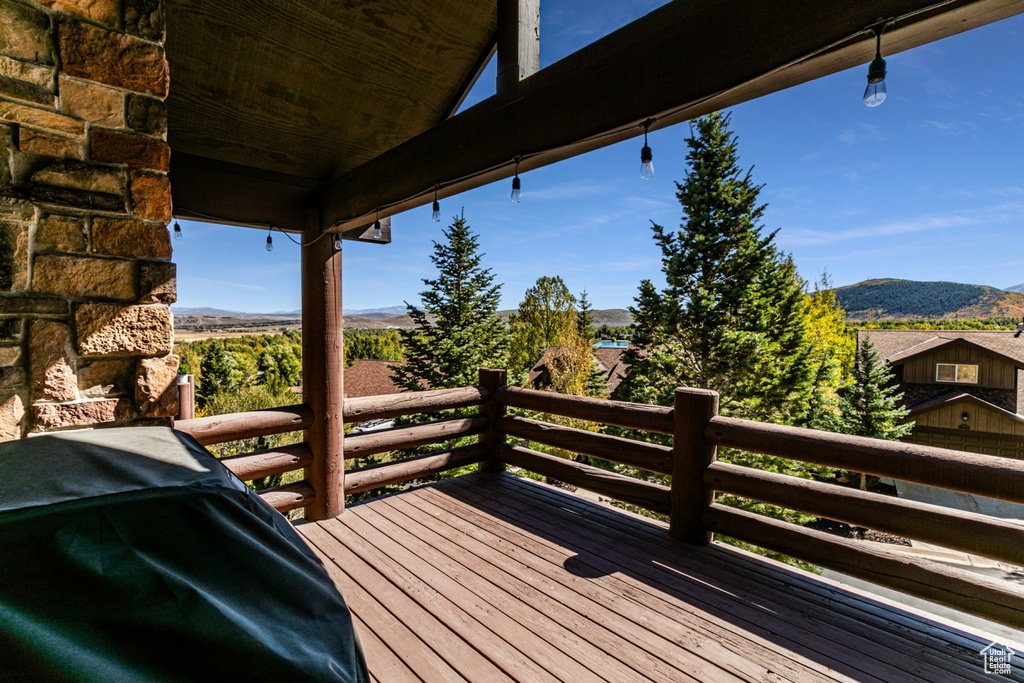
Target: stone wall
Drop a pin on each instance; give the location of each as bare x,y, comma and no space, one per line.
86,278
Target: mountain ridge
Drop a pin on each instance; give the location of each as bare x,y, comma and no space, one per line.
893,298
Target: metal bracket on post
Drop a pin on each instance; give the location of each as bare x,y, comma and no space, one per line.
492,380
691,455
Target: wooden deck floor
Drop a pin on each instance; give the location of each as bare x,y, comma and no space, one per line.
493,577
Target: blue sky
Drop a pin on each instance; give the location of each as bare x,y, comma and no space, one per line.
927,186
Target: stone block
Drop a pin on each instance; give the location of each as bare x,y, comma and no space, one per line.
12,377
130,238
94,103
145,18
95,54
10,328
34,305
9,355
107,378
47,144
147,115
151,196
27,92
84,276
13,208
107,330
66,197
82,413
79,176
27,72
61,233
44,119
52,361
25,33
12,416
158,282
137,151
156,388
100,11
13,256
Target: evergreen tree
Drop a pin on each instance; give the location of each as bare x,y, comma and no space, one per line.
870,404
585,317
730,316
457,330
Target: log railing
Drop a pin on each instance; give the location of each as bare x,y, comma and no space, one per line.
696,476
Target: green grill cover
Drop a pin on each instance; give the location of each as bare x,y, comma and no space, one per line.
133,554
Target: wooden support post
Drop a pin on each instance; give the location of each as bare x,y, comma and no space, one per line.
691,455
518,42
492,380
186,397
323,388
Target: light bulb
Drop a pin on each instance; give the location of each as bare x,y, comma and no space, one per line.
337,242
517,190
376,230
177,231
646,163
437,212
874,94
270,243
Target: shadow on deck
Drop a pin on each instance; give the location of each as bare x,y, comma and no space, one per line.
493,577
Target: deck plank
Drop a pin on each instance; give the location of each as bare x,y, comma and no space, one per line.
906,632
494,577
846,633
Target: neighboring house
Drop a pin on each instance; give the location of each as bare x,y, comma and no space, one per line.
964,389
370,378
609,362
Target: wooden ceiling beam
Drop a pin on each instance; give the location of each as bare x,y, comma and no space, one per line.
683,60
471,78
518,42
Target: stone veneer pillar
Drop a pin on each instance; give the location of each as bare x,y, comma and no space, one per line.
86,278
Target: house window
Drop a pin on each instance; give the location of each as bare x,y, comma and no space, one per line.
953,372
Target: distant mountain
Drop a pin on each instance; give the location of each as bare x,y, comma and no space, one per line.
377,313
889,299
206,311
1016,288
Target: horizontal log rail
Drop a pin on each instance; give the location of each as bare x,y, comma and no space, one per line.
396,438
981,475
619,413
627,489
962,590
288,496
967,532
368,408
268,462
376,476
648,456
248,425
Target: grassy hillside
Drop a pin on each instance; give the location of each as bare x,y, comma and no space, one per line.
895,299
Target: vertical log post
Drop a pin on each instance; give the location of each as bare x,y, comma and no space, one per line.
691,455
518,42
186,397
491,379
323,388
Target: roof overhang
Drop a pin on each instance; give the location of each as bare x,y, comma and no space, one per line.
953,398
936,343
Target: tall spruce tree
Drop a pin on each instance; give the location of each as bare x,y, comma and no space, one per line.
730,315
870,405
457,329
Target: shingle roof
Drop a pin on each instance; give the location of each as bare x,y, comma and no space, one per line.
896,346
370,378
957,397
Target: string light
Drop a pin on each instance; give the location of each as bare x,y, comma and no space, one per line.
376,226
436,215
337,242
517,186
270,240
875,94
646,157
177,231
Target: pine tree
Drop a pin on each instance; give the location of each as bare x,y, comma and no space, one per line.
870,404
457,330
730,316
585,317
